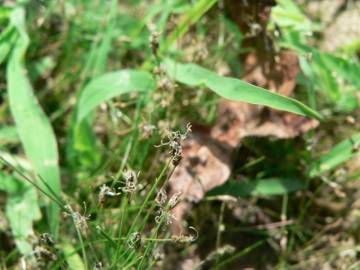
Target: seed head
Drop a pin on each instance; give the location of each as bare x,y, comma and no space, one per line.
186,238
105,192
98,266
164,215
134,240
46,239
43,254
174,140
161,198
154,42
131,180
174,200
79,220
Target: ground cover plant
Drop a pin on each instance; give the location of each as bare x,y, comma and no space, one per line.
178,134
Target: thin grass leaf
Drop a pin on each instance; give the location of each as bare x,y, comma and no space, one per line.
339,154
234,89
263,187
34,128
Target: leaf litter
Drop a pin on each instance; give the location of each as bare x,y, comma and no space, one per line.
206,159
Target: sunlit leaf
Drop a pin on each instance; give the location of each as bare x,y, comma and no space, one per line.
33,126
21,210
235,89
73,259
8,134
110,85
339,154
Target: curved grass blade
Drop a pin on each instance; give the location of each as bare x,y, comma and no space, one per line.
110,85
263,187
339,154
33,126
234,89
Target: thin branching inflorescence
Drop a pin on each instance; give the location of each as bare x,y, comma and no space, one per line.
131,181
174,139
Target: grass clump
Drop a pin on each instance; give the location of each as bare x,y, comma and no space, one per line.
128,141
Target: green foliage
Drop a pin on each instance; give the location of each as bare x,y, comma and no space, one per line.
188,19
8,134
33,127
72,258
21,209
336,156
262,187
110,85
335,76
64,59
235,89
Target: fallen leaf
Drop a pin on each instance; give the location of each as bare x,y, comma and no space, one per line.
205,165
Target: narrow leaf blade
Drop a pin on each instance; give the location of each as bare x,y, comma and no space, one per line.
339,154
234,89
263,187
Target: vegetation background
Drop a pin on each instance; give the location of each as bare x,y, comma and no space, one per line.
179,134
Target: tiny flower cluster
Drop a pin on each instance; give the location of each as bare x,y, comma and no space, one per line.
164,212
174,140
186,238
79,220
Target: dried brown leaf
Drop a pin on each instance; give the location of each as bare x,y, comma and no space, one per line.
206,161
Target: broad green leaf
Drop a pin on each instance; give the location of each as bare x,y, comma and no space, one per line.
339,154
8,134
17,161
33,127
72,257
263,187
110,85
81,144
97,91
21,210
234,89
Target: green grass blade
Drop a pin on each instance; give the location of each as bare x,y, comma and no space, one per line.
339,154
234,89
263,187
110,85
33,126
